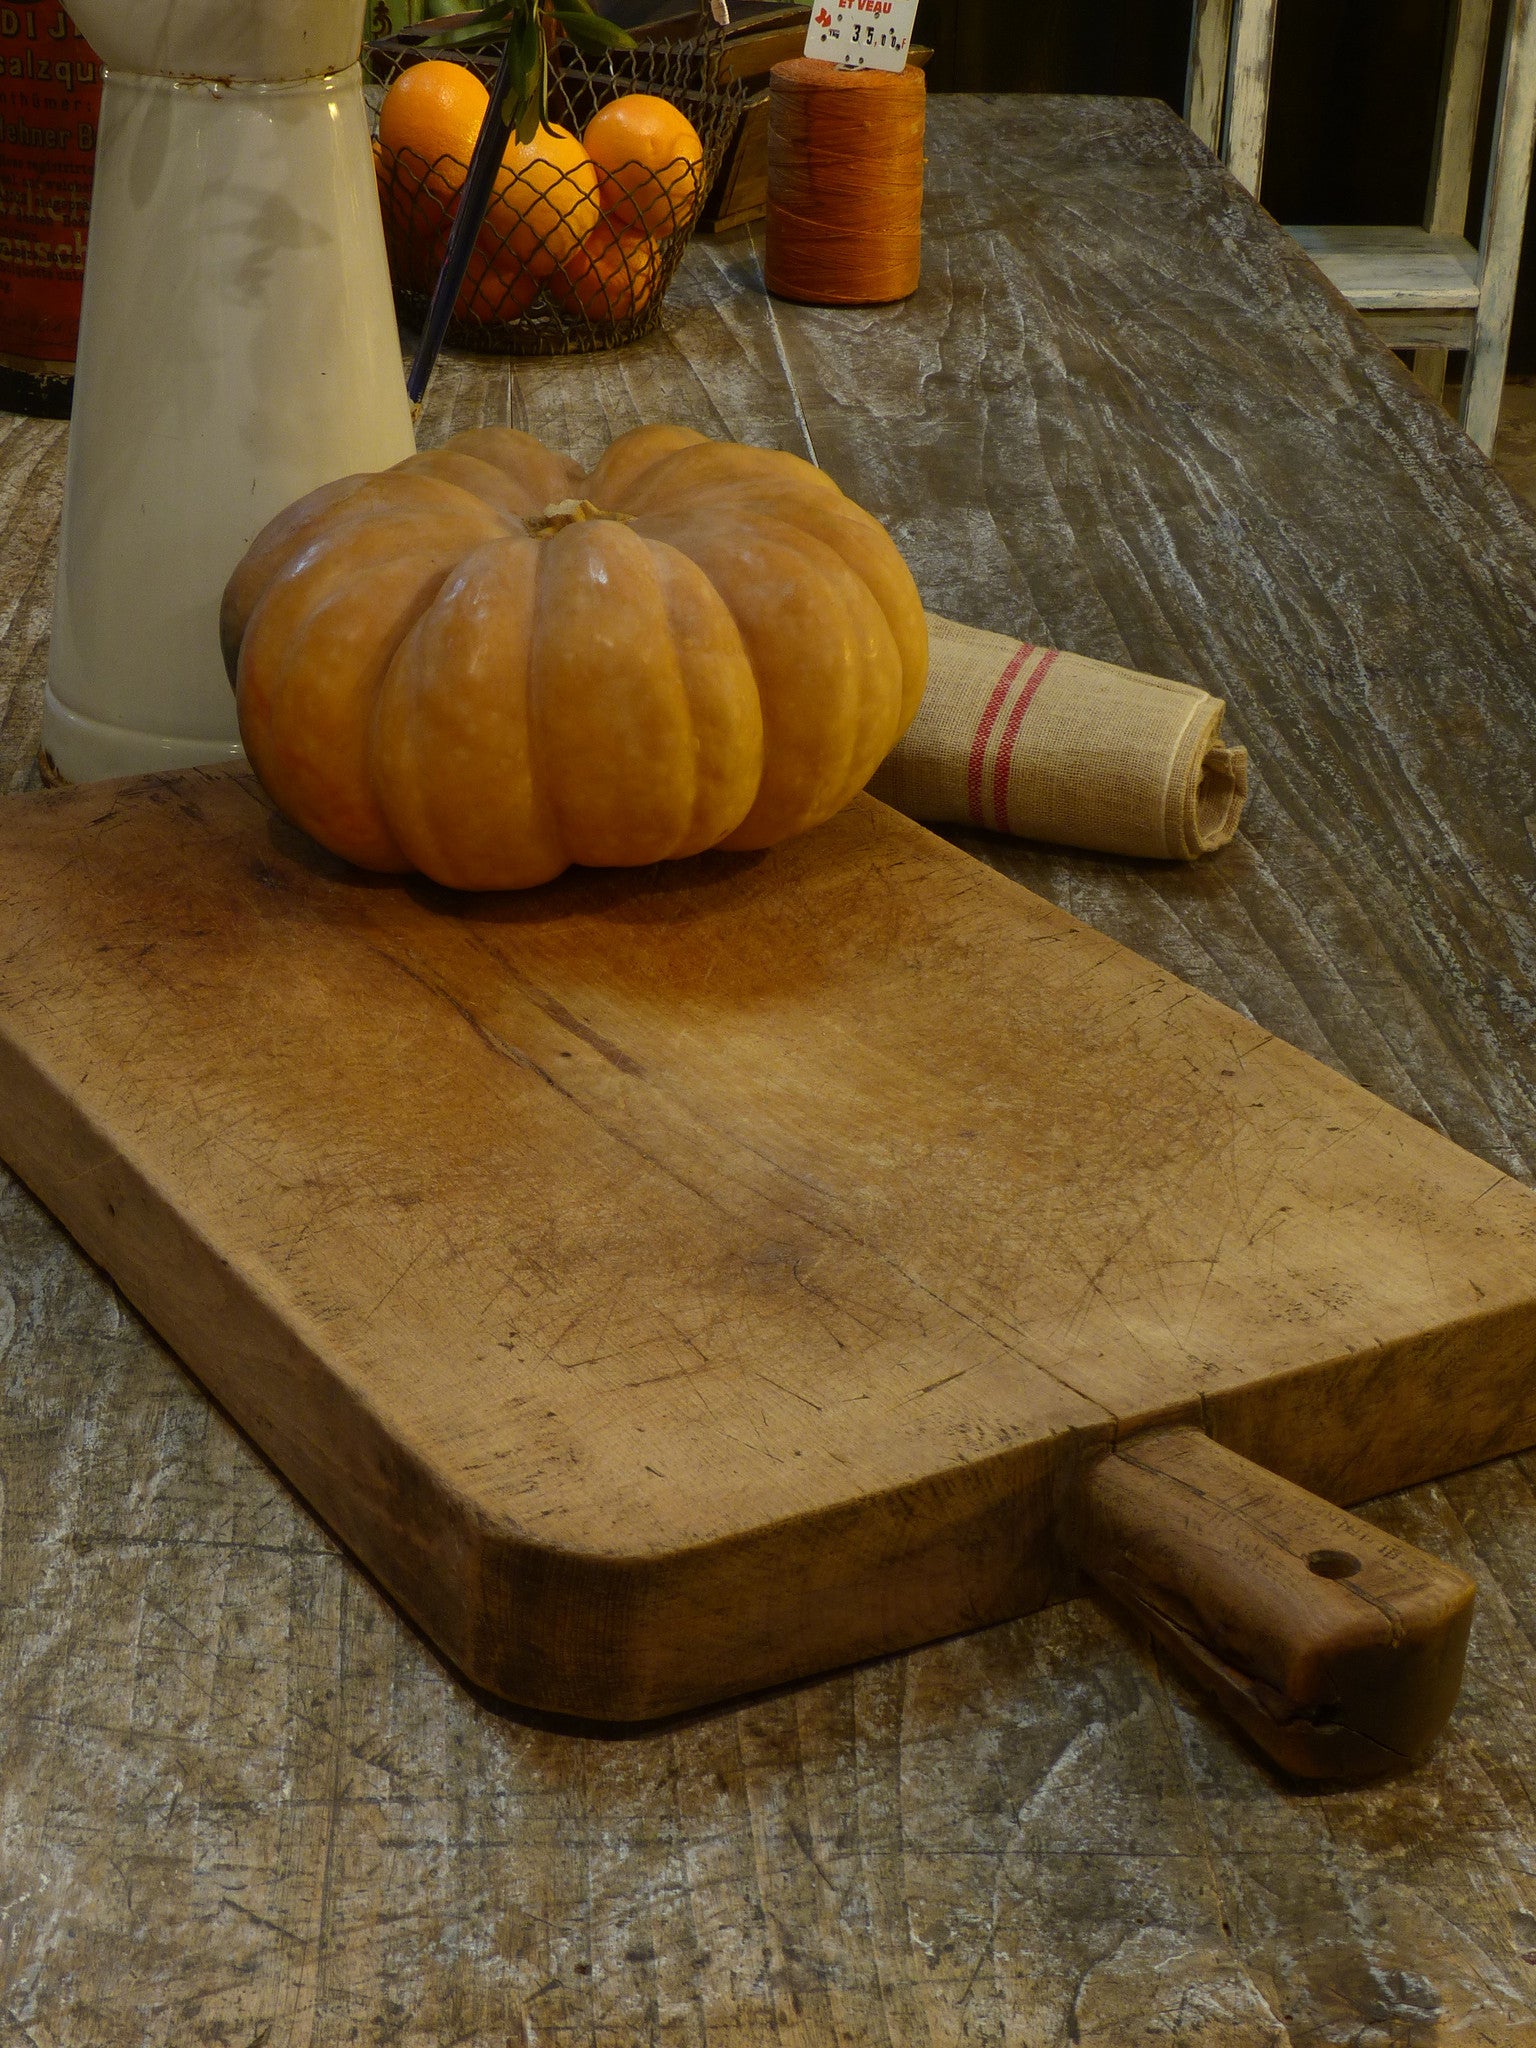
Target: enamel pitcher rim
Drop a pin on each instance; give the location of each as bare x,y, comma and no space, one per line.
223,41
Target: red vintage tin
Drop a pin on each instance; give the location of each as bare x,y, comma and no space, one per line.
50,104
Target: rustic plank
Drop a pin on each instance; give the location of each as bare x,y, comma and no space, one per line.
246,1803
1467,28
1205,79
1394,269
653,1349
1427,334
1247,98
742,193
715,367
1337,1650
1509,187
1326,626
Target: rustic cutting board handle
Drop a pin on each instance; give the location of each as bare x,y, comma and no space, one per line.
1337,1649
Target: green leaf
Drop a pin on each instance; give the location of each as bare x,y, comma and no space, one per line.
593,31
527,43
527,57
484,22
524,43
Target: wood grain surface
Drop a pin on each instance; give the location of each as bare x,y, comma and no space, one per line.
1337,1648
243,1803
675,1281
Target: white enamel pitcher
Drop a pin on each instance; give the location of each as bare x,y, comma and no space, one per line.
237,348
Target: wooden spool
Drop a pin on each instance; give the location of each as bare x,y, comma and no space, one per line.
845,183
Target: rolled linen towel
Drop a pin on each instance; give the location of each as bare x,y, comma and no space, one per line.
1054,746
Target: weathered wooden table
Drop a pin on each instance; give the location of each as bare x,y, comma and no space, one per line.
244,1803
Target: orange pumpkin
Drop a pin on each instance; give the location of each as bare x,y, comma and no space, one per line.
487,666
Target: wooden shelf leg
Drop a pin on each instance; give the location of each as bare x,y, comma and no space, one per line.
1205,81
1509,185
1429,366
1335,1648
1468,26
1248,74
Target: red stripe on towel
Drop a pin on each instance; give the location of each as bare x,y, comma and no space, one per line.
1010,733
995,704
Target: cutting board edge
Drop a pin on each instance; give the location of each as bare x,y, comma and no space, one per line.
1368,1451
745,1596
632,1639
509,1612
519,1614
185,1289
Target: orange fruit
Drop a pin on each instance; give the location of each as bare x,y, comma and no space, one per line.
496,286
650,163
610,276
429,121
496,289
545,202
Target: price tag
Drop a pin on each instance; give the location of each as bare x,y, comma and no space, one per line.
861,35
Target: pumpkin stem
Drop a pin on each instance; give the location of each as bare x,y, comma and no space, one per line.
567,513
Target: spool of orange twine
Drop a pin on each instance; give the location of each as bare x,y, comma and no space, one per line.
845,183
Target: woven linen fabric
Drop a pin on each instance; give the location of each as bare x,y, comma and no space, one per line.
1049,745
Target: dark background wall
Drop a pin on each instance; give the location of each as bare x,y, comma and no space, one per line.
1352,111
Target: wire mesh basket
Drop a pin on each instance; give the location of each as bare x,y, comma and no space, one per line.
552,271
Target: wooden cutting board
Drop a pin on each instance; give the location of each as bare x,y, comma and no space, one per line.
675,1281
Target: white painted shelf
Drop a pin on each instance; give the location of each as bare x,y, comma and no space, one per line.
1389,269
1424,289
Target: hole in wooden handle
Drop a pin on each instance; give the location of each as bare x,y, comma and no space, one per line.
1338,1649
1333,1564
